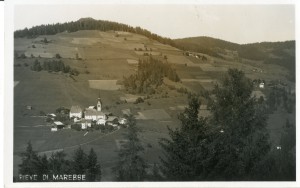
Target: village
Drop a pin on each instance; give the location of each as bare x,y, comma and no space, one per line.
90,118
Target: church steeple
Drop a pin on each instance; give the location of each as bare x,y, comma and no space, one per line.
99,105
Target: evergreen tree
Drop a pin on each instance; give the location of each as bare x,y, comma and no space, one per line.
131,166
58,164
155,176
43,166
93,167
238,139
186,149
79,162
30,161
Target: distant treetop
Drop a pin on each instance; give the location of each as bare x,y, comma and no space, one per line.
87,24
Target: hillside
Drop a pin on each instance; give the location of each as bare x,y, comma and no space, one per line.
282,53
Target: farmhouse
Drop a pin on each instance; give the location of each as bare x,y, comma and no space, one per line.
86,123
122,121
258,94
58,125
262,85
76,111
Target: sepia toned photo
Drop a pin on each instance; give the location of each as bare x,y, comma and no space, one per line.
154,93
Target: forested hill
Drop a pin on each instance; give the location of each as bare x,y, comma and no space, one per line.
255,51
282,53
87,24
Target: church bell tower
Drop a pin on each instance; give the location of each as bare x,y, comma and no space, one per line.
99,105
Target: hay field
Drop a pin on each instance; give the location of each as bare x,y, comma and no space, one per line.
49,51
157,114
85,41
211,68
132,61
179,59
129,97
109,85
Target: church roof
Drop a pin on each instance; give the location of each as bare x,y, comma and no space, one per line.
75,109
93,112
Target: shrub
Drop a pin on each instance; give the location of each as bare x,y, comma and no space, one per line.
139,100
76,127
23,56
57,56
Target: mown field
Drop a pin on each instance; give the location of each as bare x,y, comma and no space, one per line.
103,56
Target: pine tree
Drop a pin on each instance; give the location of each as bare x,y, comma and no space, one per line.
156,176
79,162
30,161
58,164
238,138
43,166
131,166
93,167
186,149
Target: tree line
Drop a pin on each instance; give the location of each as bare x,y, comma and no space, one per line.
254,51
80,163
53,66
87,24
149,76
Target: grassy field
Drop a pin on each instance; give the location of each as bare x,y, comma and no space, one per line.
109,85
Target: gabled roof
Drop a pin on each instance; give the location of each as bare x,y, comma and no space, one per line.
93,112
86,121
75,109
111,118
58,123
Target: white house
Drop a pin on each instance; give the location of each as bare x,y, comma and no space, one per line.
58,123
75,111
122,121
86,123
101,122
262,85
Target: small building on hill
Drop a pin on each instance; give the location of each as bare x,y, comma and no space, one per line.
258,94
75,111
262,85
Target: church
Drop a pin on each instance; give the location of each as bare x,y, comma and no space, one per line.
96,114
93,113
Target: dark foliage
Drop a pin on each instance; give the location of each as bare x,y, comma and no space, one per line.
81,163
149,76
186,150
131,166
228,146
86,24
255,51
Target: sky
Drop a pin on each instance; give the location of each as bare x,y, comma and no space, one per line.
235,23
